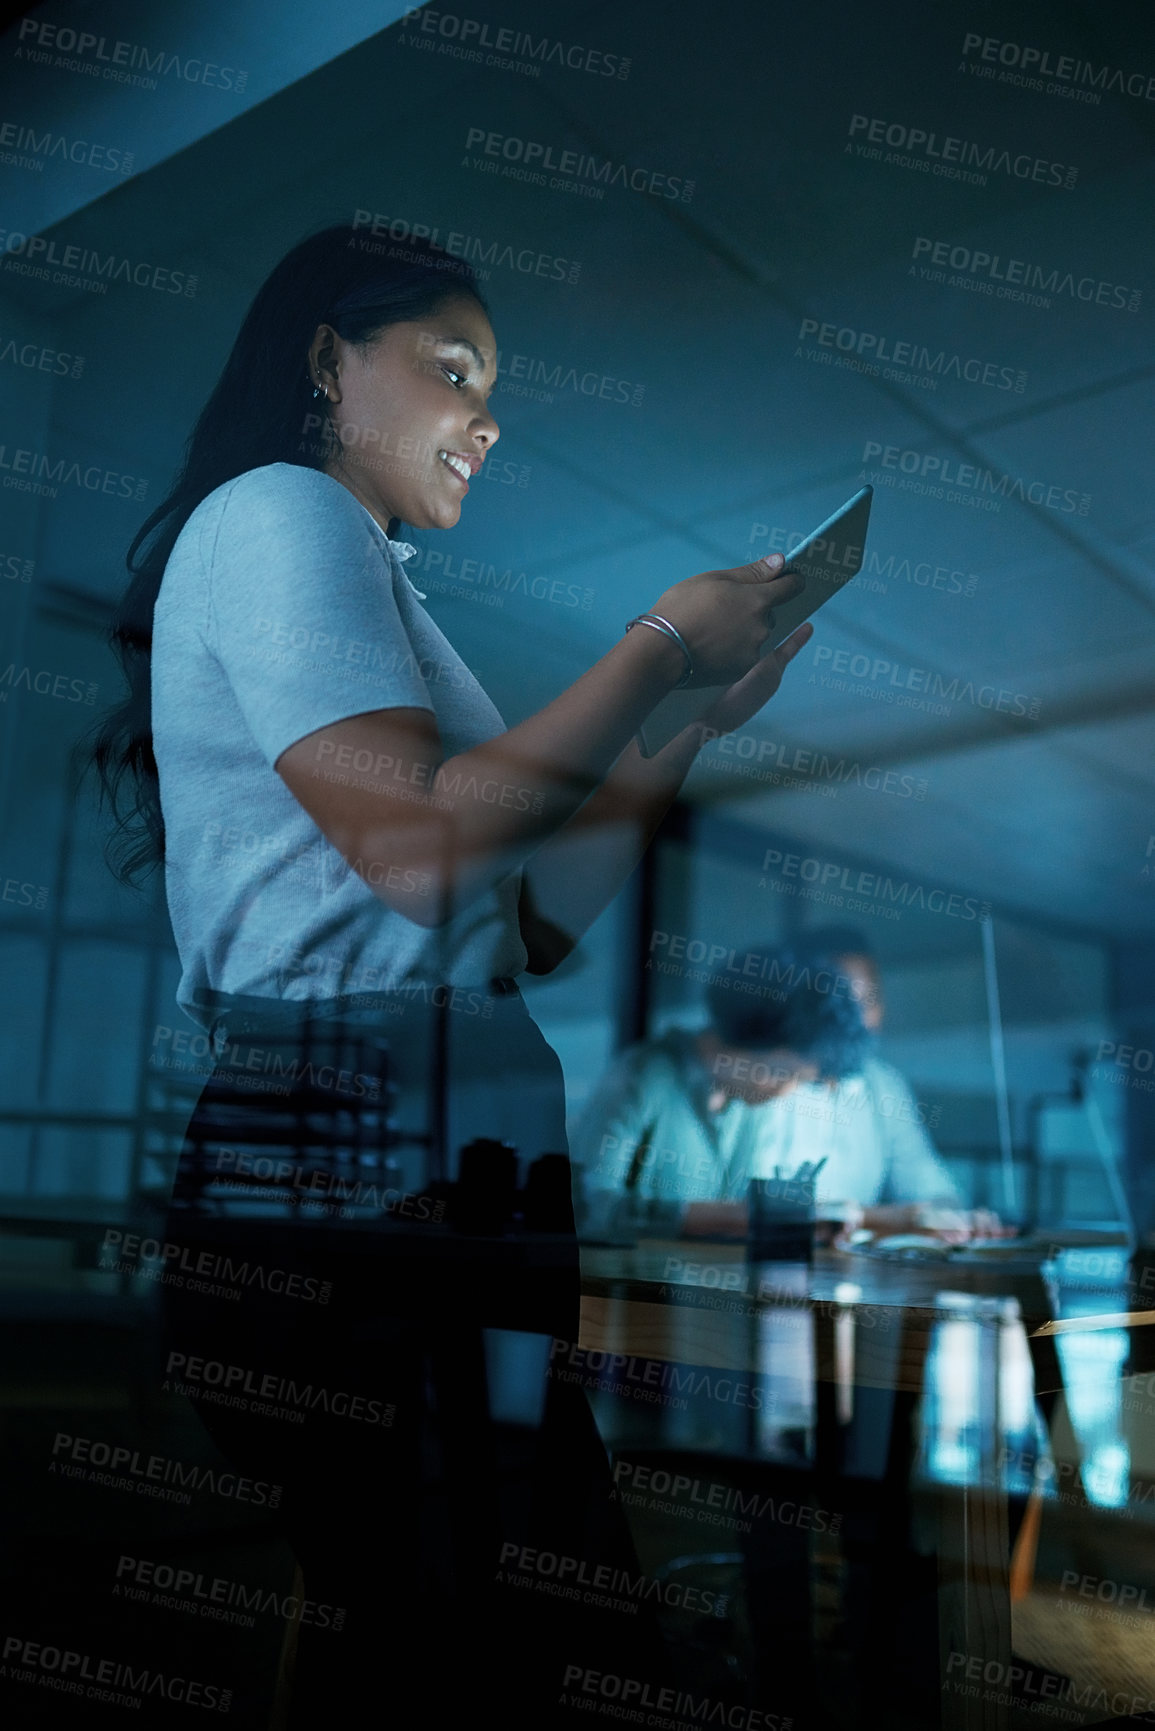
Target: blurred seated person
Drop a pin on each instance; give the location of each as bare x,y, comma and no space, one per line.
783,1075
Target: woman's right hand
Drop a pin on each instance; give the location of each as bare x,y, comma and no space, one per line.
726,616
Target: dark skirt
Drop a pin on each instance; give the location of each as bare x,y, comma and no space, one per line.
365,1325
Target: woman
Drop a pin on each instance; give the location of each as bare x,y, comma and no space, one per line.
402,857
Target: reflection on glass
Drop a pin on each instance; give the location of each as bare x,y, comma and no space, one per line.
955,1401
1092,1375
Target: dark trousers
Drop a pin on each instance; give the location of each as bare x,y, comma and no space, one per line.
337,1356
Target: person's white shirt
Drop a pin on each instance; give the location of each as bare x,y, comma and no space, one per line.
648,1137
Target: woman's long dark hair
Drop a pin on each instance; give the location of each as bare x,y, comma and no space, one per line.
256,415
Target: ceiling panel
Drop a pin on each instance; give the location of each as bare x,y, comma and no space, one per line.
728,334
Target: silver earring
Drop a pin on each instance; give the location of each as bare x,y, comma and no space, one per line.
318,392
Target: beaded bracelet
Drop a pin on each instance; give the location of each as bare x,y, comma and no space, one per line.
657,623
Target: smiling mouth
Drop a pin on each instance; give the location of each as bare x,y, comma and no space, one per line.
458,466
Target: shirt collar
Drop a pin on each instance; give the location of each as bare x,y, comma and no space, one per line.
401,551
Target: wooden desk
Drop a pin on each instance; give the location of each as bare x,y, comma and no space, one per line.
716,1284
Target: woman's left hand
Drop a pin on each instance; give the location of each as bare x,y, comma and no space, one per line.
748,695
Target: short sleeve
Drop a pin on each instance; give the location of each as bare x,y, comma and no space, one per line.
302,613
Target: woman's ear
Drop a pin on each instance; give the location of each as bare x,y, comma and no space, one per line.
324,362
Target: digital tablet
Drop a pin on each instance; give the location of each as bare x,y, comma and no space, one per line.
828,558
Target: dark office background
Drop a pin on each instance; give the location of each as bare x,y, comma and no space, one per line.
690,375
704,357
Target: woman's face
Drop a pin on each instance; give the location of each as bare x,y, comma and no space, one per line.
754,1077
410,410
